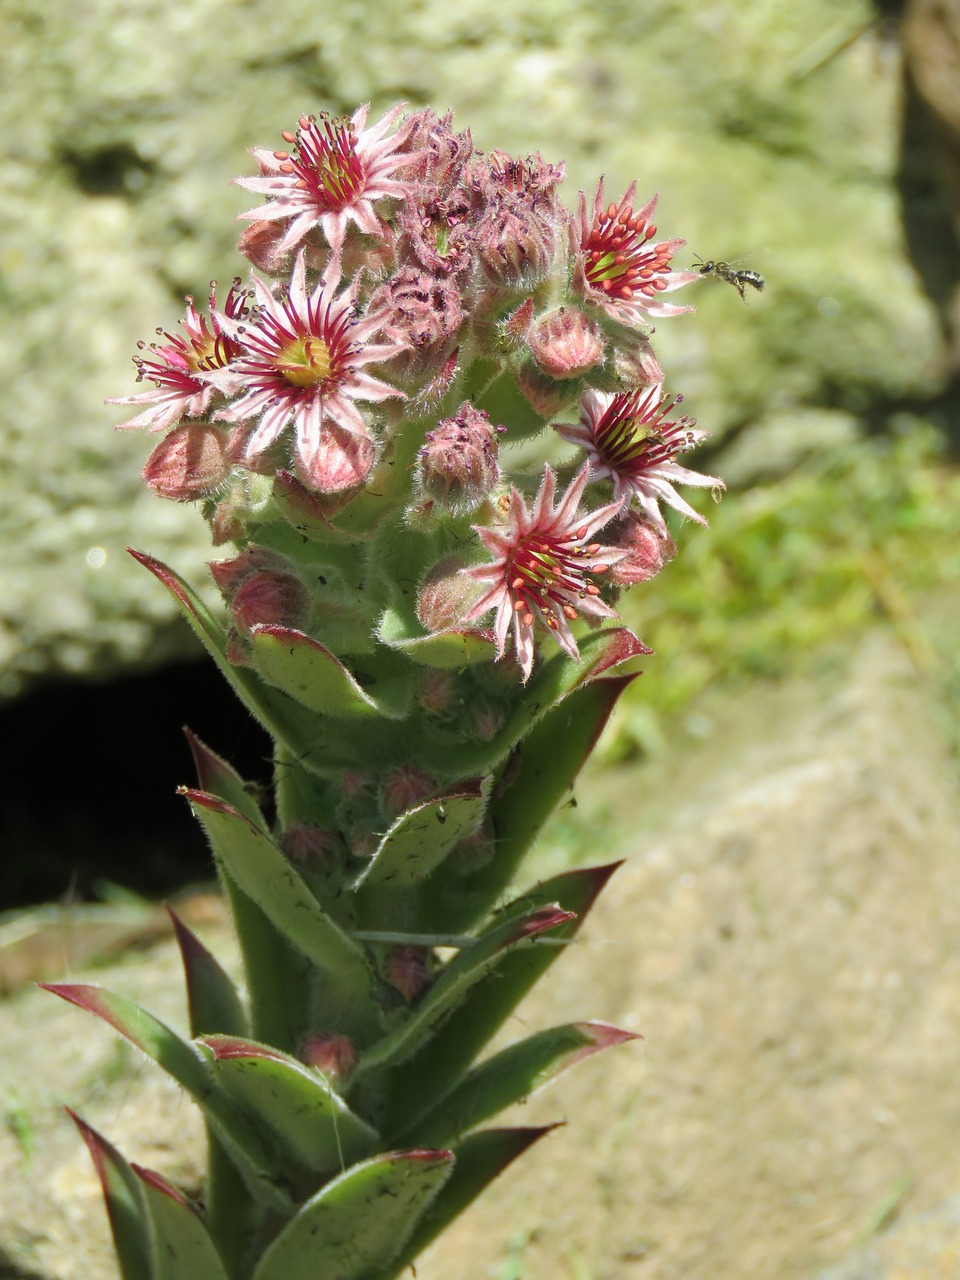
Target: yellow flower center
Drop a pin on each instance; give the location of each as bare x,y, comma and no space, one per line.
305,362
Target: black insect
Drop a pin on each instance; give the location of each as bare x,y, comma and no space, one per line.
739,279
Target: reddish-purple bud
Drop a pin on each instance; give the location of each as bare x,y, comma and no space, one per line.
277,599
407,970
230,575
341,463
191,462
333,1056
565,343
647,551
420,309
311,847
635,365
457,465
484,721
404,787
436,691
260,242
546,395
441,153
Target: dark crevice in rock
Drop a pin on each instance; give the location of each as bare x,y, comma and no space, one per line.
90,778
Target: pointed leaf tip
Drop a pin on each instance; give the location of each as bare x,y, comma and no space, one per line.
159,1183
539,921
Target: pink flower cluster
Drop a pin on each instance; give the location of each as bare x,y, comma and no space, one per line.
416,303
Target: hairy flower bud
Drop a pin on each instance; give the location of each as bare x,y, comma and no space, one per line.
564,343
457,466
405,787
191,462
310,846
278,599
259,587
440,154
648,550
407,970
422,311
446,594
436,691
261,243
333,1056
230,575
547,396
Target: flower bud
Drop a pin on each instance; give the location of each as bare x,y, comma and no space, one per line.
457,466
546,396
311,847
436,691
405,787
648,550
565,344
278,599
333,1056
191,462
230,575
407,970
446,594
635,365
421,310
341,462
260,242
259,587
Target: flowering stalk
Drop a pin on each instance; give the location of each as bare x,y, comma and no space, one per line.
432,640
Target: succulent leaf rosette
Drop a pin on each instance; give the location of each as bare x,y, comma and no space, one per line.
429,631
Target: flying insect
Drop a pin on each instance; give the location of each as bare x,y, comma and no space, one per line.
739,279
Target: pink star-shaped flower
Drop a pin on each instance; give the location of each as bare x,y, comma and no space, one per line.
618,265
301,361
177,366
330,177
631,441
542,566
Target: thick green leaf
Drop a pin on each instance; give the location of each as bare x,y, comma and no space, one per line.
446,650
267,876
512,1075
276,973
182,1248
355,1226
602,655
422,837
311,1120
418,1085
480,1158
212,997
278,715
126,1206
190,1068
535,780
489,952
303,668
216,775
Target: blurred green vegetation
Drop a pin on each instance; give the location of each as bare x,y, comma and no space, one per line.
869,532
